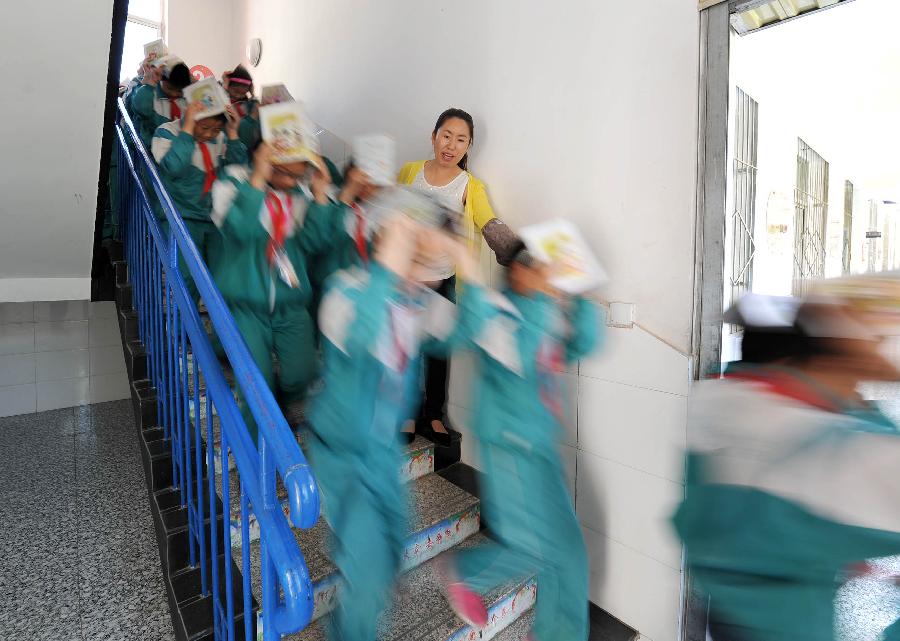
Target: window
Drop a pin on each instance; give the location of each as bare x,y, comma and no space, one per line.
742,247
144,25
848,226
810,216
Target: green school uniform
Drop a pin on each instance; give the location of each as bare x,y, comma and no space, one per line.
150,108
374,332
517,425
273,317
782,494
183,172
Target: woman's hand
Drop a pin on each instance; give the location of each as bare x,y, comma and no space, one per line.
234,121
262,166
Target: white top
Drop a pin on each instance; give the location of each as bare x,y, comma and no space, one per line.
451,197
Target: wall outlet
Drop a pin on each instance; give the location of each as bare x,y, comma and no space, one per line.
621,315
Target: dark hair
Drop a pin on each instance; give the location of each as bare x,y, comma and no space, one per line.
241,73
453,112
179,76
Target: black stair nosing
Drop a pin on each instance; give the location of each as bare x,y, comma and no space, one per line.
607,627
193,620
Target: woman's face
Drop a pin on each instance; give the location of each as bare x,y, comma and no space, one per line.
451,142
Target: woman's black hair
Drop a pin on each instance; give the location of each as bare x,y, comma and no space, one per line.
453,112
178,76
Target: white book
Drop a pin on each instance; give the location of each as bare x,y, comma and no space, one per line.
376,154
559,243
209,92
158,47
273,94
290,132
166,62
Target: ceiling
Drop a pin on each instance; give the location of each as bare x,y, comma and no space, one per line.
752,15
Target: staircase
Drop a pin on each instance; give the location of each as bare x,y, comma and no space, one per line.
444,516
216,574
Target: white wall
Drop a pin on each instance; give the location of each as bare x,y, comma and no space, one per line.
587,112
51,130
203,32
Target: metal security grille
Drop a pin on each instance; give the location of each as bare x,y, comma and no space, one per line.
743,214
810,216
848,226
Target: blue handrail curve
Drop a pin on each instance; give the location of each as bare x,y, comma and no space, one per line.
155,262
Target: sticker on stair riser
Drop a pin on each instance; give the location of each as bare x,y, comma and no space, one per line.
417,466
439,538
502,614
419,548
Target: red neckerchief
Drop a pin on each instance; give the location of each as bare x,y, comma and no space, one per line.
174,109
549,362
279,222
783,384
210,168
360,234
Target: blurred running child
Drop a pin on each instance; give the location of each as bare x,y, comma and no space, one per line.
521,351
376,323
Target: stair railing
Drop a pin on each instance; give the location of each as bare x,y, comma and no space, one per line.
179,355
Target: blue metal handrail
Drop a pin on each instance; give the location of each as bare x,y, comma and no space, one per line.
170,326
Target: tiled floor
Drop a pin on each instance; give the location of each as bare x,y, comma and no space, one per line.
59,354
79,559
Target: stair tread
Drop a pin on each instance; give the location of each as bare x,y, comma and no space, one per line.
433,499
418,447
420,612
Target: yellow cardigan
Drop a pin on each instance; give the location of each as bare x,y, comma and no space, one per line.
478,211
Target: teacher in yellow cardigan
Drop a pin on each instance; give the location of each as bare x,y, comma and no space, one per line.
447,179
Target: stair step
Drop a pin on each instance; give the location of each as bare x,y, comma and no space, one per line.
442,516
418,462
421,612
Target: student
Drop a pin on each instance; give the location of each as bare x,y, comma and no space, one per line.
190,154
323,266
447,179
517,423
791,478
239,85
269,227
159,99
375,323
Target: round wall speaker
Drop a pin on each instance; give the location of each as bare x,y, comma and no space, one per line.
254,51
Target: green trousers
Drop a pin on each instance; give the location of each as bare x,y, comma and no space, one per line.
536,532
287,332
365,505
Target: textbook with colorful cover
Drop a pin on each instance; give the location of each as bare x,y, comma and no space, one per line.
559,244
157,47
209,92
375,154
274,94
290,132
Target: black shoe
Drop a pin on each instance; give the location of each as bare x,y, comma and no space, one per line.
424,427
406,438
